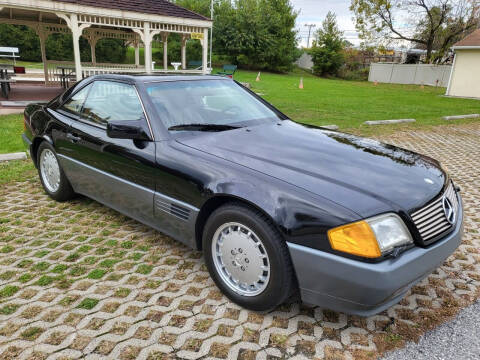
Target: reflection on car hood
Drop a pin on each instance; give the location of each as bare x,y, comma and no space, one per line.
363,175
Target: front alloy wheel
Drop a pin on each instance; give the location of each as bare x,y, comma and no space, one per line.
240,259
247,257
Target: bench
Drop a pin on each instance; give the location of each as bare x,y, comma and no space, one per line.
9,53
195,64
228,70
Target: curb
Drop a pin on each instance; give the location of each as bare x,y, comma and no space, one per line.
459,117
13,156
386,122
330,127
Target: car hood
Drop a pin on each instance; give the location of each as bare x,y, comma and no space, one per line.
363,175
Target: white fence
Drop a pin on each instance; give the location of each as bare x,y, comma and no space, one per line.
419,74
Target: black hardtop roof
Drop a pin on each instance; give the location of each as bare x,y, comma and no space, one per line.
147,78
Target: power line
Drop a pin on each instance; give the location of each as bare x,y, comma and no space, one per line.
310,26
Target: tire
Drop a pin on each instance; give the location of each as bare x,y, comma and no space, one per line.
47,160
236,219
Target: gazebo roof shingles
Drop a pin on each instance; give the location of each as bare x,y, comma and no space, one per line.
157,7
471,40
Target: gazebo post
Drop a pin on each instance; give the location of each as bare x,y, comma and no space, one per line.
72,23
184,51
137,54
147,42
92,40
76,32
205,51
93,44
165,50
42,35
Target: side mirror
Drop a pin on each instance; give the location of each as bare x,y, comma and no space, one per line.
129,129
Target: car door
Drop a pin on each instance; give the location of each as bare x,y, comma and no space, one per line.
58,122
116,172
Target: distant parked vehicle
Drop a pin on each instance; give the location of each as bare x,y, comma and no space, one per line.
275,206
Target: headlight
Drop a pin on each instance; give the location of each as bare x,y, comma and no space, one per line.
372,237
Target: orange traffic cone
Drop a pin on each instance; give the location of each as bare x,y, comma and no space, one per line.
258,77
301,83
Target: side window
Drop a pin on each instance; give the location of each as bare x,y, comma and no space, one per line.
112,101
75,103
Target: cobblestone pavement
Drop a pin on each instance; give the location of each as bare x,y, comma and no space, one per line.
78,280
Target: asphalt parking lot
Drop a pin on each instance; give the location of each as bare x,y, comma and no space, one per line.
456,339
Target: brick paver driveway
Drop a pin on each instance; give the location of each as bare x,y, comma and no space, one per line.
78,280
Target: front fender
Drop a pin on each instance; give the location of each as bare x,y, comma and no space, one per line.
302,217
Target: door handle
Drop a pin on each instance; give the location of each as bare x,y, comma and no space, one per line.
73,138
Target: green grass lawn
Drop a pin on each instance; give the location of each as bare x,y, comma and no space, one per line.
348,104
11,128
18,170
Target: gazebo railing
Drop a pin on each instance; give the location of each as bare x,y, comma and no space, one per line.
90,71
54,75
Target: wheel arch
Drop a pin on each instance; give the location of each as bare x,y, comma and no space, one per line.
36,144
216,202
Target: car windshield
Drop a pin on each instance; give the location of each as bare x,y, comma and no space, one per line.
206,105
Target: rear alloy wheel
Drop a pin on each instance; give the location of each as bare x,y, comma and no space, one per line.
50,170
51,174
247,257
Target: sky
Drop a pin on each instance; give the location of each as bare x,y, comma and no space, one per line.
314,11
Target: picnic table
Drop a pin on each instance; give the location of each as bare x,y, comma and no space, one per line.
67,73
5,79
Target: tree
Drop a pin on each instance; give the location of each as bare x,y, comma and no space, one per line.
201,7
328,48
256,34
437,23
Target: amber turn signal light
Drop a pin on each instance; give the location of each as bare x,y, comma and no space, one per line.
356,239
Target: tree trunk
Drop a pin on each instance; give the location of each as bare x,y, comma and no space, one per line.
429,51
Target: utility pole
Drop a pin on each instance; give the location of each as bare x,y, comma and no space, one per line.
310,26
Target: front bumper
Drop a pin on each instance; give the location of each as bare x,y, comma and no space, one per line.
365,289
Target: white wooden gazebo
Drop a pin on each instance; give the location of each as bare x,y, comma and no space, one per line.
133,21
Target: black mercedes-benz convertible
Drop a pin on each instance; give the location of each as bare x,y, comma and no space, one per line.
278,208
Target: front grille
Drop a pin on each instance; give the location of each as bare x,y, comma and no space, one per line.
431,221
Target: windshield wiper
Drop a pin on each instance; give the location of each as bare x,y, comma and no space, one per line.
202,127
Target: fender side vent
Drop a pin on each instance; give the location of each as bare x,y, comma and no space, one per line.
173,209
